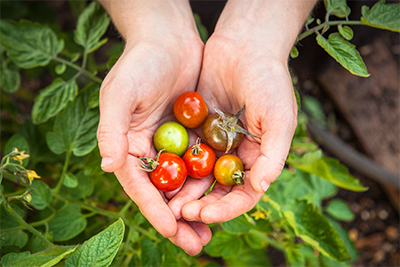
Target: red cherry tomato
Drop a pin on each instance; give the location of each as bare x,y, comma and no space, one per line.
228,170
170,173
190,109
199,160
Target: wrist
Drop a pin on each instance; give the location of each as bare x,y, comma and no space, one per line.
271,25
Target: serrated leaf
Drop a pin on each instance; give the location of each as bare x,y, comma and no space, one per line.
383,16
339,210
10,79
46,258
344,53
29,44
75,128
41,195
91,26
346,32
99,250
333,171
223,244
70,180
67,223
53,99
311,226
338,8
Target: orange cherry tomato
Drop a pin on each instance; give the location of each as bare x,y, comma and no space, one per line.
228,170
190,109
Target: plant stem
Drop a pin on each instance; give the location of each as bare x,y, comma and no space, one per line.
126,207
328,23
64,171
28,226
78,68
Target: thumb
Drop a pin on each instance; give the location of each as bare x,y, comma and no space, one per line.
275,147
113,128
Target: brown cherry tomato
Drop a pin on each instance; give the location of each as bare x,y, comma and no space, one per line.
216,137
190,109
228,170
199,160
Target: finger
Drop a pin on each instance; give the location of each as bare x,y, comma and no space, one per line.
192,210
115,116
187,238
202,230
192,190
138,186
231,205
274,149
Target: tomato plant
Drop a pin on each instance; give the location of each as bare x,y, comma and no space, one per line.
228,170
172,137
199,160
190,109
224,131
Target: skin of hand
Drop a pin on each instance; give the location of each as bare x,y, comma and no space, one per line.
245,62
162,58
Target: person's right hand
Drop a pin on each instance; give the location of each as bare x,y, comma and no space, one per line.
162,59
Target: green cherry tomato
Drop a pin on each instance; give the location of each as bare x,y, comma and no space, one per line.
172,137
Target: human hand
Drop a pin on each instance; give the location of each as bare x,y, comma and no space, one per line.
244,64
160,61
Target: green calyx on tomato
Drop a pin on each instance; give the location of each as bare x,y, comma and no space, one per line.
149,164
224,131
172,137
199,160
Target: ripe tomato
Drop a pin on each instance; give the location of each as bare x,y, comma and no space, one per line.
199,160
228,170
172,137
170,173
190,109
216,137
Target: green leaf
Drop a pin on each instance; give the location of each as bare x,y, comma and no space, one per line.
346,32
339,210
46,258
75,128
84,189
311,226
19,142
7,220
238,225
92,24
92,165
29,44
223,244
10,79
67,223
94,99
201,28
344,53
13,238
338,8
53,99
41,195
331,170
294,256
70,180
248,256
151,253
99,250
60,68
383,16
255,239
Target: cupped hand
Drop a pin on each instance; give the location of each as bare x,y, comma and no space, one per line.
237,73
135,98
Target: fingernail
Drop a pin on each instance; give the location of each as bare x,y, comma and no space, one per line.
265,185
106,161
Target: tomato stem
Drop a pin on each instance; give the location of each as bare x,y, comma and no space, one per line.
149,164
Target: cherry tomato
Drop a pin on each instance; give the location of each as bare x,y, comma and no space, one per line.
190,109
228,170
199,160
216,137
170,173
172,137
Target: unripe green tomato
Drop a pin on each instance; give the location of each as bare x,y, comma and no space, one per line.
172,137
